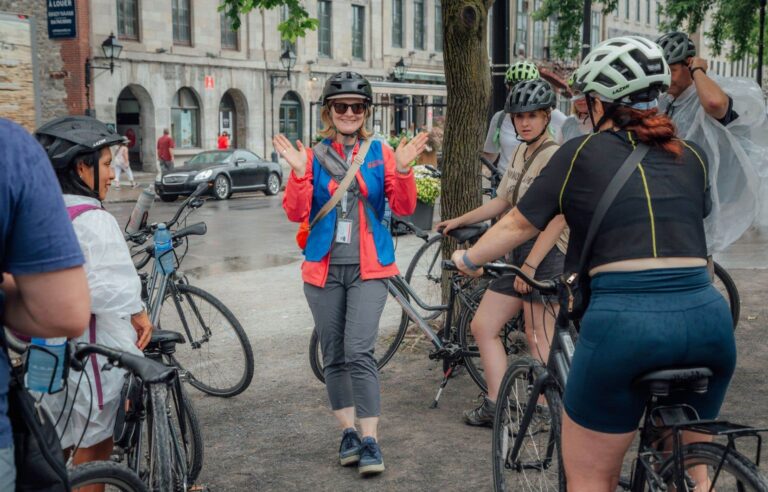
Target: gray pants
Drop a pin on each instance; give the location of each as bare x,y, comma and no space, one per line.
347,312
166,166
7,469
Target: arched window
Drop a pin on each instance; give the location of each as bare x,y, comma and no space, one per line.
291,117
185,119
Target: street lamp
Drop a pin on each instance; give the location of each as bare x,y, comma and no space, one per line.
760,46
400,69
288,61
111,49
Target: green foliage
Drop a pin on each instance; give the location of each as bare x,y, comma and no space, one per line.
735,21
427,187
296,26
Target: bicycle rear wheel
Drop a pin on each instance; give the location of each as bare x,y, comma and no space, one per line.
108,474
424,275
186,430
727,287
392,329
159,459
218,355
736,472
511,338
537,465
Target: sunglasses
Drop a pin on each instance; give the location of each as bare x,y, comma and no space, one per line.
341,108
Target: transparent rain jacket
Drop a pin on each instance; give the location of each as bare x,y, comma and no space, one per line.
737,155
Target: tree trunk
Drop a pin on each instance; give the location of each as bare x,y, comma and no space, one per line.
467,76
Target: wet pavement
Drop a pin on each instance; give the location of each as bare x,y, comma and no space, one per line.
278,435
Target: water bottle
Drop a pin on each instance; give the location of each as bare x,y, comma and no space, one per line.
163,245
45,364
140,211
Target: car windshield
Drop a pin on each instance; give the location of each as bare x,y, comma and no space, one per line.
205,159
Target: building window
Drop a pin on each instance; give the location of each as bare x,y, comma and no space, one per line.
185,119
438,26
595,28
228,35
324,29
658,13
290,116
418,24
626,9
521,37
647,11
551,35
397,23
358,32
438,107
182,21
538,34
286,45
128,19
637,11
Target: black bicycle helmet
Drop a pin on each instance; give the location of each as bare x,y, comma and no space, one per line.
530,95
677,47
347,84
65,138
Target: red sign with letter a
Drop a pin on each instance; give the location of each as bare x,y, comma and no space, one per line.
209,81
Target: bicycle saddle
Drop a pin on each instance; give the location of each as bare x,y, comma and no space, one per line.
164,341
664,381
468,233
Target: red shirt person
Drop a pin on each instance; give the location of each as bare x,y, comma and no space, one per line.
223,141
165,148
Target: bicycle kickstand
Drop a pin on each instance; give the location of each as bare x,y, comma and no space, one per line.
443,383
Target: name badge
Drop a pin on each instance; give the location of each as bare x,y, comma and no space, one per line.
344,231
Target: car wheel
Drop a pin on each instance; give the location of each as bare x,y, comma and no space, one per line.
221,188
168,198
273,184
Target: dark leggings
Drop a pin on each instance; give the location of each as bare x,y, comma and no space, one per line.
638,322
347,312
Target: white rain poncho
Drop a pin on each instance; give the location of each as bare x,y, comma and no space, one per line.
115,295
737,155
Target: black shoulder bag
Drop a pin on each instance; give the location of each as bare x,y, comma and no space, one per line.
575,291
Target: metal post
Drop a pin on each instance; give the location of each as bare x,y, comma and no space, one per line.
87,86
311,124
272,111
499,53
760,46
586,34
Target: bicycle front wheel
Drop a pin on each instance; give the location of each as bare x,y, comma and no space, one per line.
725,469
425,273
526,452
727,287
160,464
107,474
392,329
217,356
186,431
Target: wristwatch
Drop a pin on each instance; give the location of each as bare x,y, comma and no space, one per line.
697,68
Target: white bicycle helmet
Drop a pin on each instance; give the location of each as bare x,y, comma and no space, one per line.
625,70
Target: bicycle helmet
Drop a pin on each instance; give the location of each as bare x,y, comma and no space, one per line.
345,84
519,71
626,70
677,47
530,95
67,138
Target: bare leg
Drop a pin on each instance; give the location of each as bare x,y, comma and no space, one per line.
495,309
369,427
592,459
346,417
542,329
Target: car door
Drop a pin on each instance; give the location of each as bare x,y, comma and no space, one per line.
262,170
245,166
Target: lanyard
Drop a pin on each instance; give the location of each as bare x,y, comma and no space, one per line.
344,202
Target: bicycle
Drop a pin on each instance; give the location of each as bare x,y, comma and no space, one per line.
526,450
211,332
150,412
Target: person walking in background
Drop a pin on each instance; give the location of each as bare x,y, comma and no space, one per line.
122,164
223,141
165,148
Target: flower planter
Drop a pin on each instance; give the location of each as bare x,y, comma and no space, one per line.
422,216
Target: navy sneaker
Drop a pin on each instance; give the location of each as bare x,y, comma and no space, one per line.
349,450
371,461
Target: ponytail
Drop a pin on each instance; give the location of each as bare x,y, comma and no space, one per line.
652,128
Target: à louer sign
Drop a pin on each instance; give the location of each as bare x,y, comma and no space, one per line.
62,22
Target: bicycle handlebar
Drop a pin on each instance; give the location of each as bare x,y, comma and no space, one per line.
198,191
410,225
150,371
198,229
497,269
494,170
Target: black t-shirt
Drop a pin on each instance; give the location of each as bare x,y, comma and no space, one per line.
658,213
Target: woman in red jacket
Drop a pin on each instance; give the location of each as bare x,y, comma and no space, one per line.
349,253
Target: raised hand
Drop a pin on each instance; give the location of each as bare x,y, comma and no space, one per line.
296,157
407,152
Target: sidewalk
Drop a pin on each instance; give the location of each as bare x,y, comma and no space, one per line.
126,193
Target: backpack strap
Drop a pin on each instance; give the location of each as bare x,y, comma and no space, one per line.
76,211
